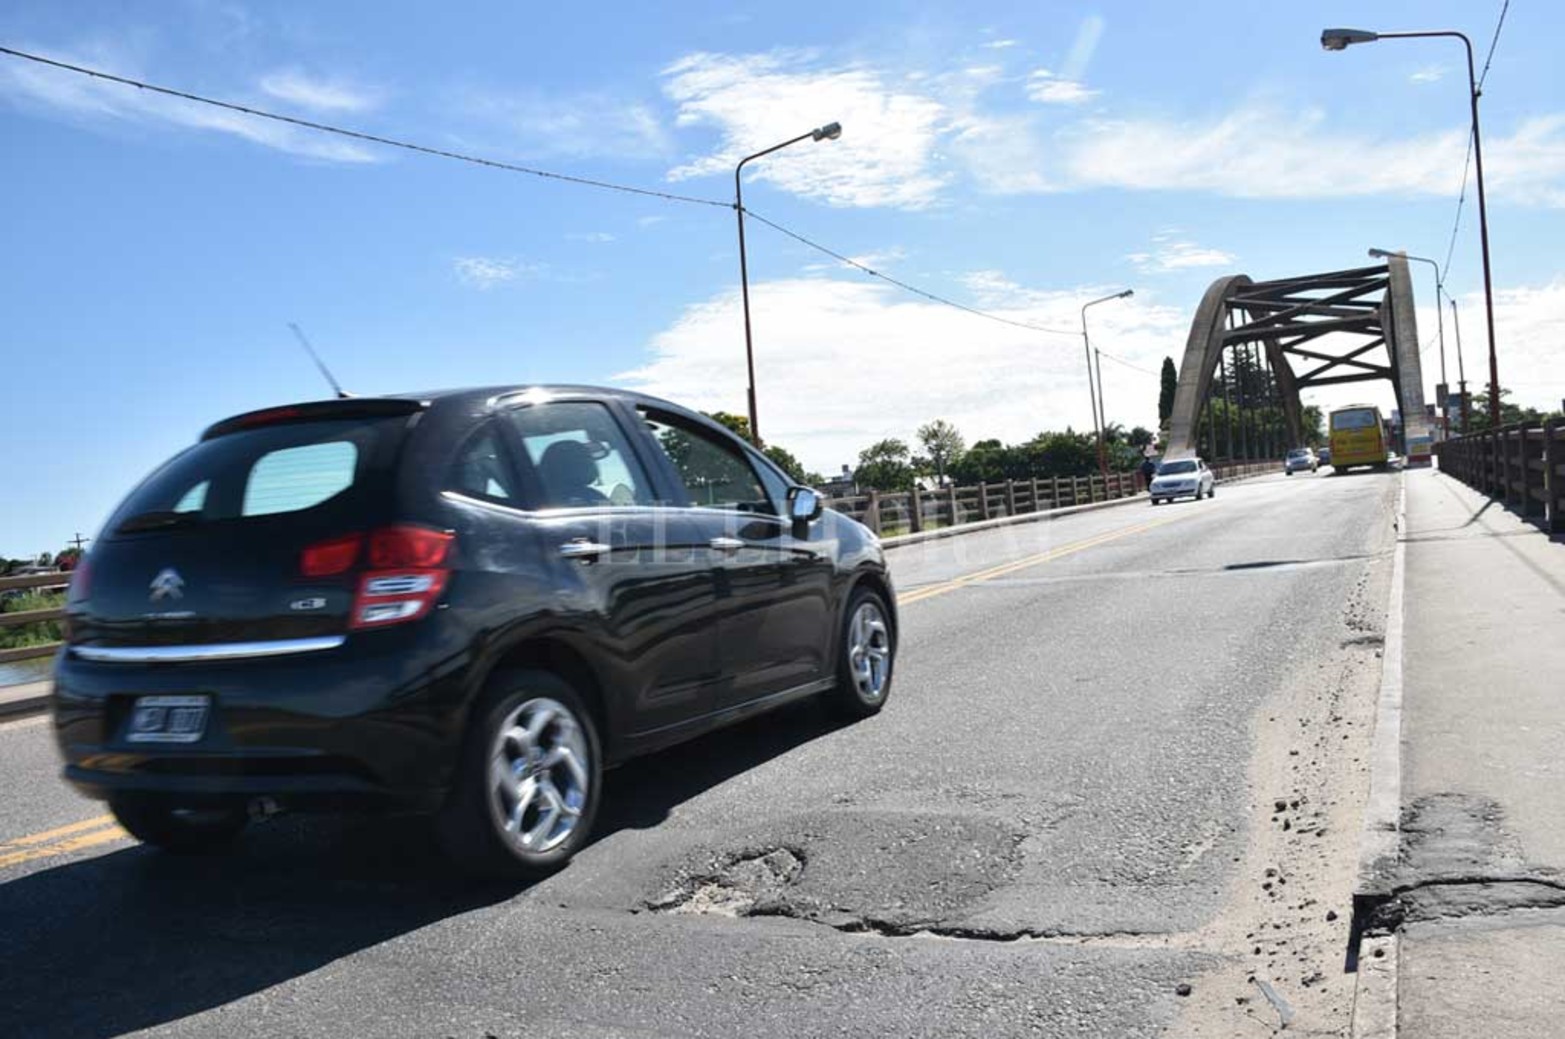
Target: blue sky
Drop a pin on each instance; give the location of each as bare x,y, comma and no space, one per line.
1018,157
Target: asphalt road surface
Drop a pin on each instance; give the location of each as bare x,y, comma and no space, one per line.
1123,755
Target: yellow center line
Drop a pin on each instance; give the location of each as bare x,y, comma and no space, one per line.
59,841
930,591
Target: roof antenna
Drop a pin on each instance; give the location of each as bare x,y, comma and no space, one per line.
342,394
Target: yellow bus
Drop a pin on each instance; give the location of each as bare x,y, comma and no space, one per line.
1358,437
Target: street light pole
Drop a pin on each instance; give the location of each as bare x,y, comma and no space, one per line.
1445,419
1098,419
1338,39
1461,374
829,132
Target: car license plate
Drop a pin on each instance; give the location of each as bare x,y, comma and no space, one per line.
168,719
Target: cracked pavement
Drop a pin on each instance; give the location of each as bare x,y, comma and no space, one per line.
1479,885
1065,823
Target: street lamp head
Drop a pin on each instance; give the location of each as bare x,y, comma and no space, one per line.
1381,254
1341,39
829,132
1127,294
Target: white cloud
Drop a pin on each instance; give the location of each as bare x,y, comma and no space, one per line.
1046,88
1256,152
324,95
871,260
909,361
581,126
1529,324
487,272
886,156
1170,254
1000,45
1083,48
650,221
56,91
1429,74
595,237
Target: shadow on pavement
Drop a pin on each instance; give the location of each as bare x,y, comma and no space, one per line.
136,938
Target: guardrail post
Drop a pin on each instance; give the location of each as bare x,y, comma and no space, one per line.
1553,485
1010,496
983,500
956,509
1054,492
1530,498
915,515
1036,505
872,512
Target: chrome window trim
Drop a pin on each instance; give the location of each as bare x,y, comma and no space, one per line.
212,651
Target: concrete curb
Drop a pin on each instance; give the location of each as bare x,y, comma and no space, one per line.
22,706
1375,991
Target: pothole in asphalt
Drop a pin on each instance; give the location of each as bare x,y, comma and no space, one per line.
885,871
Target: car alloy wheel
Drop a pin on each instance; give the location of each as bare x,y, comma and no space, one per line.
528,781
869,651
539,780
866,658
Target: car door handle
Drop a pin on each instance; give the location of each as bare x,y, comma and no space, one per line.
585,550
726,544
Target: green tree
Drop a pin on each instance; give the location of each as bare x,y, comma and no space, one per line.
1141,437
943,444
885,466
739,424
1165,397
786,462
1510,413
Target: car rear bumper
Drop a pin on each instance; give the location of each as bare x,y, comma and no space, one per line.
357,727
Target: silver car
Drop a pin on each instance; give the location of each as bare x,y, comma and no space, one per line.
1299,459
1181,477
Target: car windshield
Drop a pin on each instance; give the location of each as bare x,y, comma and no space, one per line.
1299,452
1182,466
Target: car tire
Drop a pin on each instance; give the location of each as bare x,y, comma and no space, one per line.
1154,503
866,656
1287,472
176,828
1211,492
528,782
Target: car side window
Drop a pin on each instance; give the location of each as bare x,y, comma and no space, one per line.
713,470
480,469
579,457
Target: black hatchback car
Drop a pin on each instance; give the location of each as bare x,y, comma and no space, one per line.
466,603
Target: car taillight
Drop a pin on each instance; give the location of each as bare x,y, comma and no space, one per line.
326,558
405,577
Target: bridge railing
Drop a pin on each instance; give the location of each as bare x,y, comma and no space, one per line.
1522,465
909,512
32,582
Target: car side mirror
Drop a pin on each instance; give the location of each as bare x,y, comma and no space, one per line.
804,504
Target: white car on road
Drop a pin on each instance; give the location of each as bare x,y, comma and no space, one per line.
1180,477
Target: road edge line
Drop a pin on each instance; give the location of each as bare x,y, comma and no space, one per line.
1375,989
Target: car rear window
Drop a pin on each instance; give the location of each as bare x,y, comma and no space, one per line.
267,471
1175,468
1362,418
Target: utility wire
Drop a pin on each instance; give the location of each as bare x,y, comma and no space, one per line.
1461,199
1127,364
392,142
358,135
904,286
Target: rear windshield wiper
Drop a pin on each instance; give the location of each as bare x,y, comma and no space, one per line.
158,519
